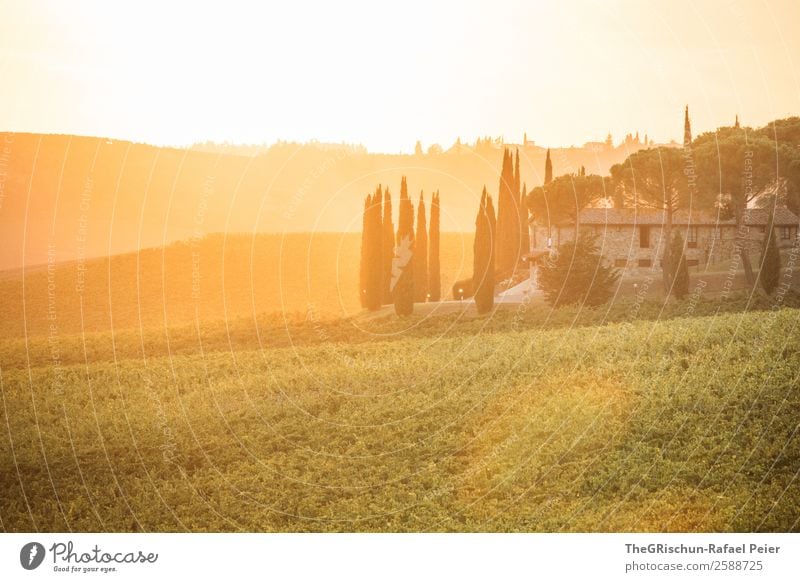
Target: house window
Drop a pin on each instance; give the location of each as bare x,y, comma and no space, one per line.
645,262
691,240
620,263
644,237
692,262
787,232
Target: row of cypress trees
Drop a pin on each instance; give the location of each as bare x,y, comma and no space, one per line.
399,268
513,239
501,241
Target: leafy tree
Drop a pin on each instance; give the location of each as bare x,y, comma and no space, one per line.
786,135
560,202
483,255
783,131
434,269
736,167
770,273
421,255
680,278
657,179
577,274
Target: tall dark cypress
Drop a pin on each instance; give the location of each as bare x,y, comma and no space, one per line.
479,245
490,268
770,273
434,271
548,168
516,196
483,255
374,255
687,128
507,219
421,255
405,219
387,248
524,233
363,266
403,263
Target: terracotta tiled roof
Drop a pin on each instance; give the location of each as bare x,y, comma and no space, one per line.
754,216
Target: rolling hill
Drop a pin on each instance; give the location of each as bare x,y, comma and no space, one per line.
80,197
505,423
214,278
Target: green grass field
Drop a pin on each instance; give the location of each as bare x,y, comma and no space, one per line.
537,421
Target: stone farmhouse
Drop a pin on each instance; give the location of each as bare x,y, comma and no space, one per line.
631,239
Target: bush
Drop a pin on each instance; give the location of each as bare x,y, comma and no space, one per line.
577,275
465,287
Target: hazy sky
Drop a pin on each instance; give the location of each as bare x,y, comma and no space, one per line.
388,73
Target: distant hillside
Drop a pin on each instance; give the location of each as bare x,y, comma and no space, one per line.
78,197
217,277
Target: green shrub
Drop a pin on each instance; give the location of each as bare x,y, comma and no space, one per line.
577,275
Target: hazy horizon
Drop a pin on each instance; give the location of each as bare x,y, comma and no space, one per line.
182,74
618,140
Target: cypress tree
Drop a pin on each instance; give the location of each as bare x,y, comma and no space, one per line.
548,168
405,219
483,255
518,208
524,233
687,128
421,255
434,274
403,263
503,203
680,277
492,259
373,256
363,268
387,247
507,219
770,272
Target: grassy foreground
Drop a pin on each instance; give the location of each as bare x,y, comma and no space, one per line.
686,424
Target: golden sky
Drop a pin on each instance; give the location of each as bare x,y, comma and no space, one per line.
388,73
